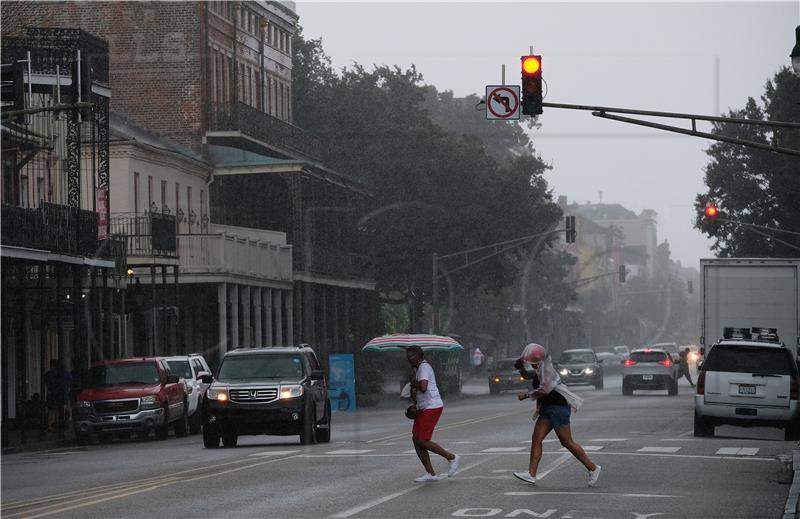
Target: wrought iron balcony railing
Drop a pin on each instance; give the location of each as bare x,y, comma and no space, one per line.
147,234
264,127
51,227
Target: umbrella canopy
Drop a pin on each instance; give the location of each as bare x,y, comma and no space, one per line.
399,342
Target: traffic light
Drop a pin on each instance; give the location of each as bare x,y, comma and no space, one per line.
13,88
531,84
571,232
711,210
690,286
622,273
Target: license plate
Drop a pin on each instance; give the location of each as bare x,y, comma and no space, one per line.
647,377
747,389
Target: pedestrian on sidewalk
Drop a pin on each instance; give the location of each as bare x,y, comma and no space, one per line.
57,381
554,405
683,366
429,408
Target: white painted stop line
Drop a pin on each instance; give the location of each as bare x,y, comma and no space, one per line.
274,453
587,448
743,451
350,451
659,449
504,449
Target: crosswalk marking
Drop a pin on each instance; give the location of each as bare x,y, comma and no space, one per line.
741,451
274,453
587,448
503,449
609,440
659,449
351,451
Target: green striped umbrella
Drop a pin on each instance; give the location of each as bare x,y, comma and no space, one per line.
399,342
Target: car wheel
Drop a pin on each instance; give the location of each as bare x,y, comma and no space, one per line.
182,425
162,431
307,435
627,389
196,420
702,427
82,439
210,438
230,439
791,432
324,435
672,390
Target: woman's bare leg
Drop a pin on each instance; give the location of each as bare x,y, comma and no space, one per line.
540,430
564,434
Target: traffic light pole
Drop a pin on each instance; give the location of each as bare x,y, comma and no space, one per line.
606,111
755,228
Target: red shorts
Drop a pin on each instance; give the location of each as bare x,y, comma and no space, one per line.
424,423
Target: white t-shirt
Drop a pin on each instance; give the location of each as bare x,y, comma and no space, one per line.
429,399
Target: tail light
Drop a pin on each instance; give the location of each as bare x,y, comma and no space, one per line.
665,362
701,383
628,363
793,391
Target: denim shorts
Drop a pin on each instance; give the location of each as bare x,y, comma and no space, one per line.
557,415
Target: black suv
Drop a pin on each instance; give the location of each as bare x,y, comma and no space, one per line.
279,390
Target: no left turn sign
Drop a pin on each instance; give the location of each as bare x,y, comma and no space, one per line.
502,102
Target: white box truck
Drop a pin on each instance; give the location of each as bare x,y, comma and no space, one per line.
748,292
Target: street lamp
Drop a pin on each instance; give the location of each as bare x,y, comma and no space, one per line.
795,55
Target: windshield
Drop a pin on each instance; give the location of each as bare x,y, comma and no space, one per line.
180,368
124,374
667,346
576,357
257,367
648,356
743,359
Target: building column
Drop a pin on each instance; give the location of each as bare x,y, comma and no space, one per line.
338,339
267,309
246,324
222,303
290,318
234,298
277,302
259,315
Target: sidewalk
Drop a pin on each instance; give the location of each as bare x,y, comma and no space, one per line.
34,441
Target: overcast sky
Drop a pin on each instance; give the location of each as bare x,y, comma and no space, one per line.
652,56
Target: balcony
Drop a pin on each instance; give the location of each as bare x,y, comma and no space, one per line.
146,235
287,139
226,255
333,262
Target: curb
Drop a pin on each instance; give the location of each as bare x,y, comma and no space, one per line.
790,510
39,446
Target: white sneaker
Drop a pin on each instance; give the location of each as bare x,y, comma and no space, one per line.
594,475
454,463
427,478
526,477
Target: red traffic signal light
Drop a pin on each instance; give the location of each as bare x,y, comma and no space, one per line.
711,210
531,84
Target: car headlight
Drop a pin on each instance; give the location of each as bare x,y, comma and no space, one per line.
219,394
83,404
589,371
149,402
497,379
293,391
563,371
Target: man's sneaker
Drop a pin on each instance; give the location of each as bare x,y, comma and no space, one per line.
526,477
427,478
454,463
594,475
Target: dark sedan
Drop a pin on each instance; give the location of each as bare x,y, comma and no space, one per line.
503,376
580,366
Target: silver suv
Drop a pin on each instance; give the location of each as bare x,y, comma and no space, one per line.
748,382
649,368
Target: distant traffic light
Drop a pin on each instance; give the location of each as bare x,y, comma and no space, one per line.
531,84
571,232
622,273
711,210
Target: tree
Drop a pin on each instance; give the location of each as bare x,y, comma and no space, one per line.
756,186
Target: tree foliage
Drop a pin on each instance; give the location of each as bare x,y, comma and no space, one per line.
442,182
756,186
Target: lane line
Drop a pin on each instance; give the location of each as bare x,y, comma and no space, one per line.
563,460
748,451
687,433
504,449
273,453
350,451
688,456
659,449
587,494
609,440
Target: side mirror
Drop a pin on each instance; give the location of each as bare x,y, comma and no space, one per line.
201,374
699,366
316,374
173,379
205,377
600,361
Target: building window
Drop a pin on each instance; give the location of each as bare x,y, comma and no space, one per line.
149,192
136,193
178,202
189,207
163,195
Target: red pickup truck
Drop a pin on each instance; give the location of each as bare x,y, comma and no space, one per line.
125,395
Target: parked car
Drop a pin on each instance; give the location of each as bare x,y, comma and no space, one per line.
190,368
669,347
131,395
279,390
580,366
650,368
503,376
748,382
